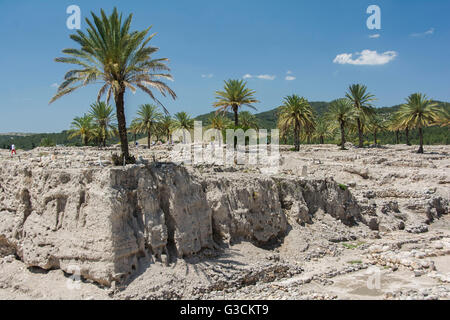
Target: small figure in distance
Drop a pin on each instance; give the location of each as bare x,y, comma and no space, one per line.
13,150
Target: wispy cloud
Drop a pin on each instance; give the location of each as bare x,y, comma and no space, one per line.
207,76
290,78
374,36
289,72
261,76
366,58
423,34
54,85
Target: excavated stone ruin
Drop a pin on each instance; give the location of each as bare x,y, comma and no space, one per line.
109,221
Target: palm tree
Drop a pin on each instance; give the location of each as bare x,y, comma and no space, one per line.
166,126
183,121
120,59
341,112
148,117
248,121
219,122
134,129
419,112
235,96
393,125
322,130
358,95
103,116
376,124
83,127
297,113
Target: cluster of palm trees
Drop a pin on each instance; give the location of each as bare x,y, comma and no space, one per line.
98,125
121,59
151,122
355,114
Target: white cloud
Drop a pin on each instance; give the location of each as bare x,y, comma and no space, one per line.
207,76
54,85
261,76
289,72
366,58
290,78
423,34
374,36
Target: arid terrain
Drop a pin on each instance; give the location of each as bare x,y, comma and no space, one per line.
367,223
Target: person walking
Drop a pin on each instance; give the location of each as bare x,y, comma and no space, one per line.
13,150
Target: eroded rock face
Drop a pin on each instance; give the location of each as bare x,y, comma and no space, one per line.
104,223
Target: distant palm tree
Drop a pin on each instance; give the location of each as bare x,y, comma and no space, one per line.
341,113
393,125
419,112
248,121
376,124
322,130
295,113
219,122
235,96
358,95
166,125
103,116
121,59
148,117
183,121
134,129
82,127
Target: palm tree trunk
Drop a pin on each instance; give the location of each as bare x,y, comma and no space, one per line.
342,136
407,136
297,136
236,115
420,140
149,137
375,136
322,140
122,124
360,133
397,140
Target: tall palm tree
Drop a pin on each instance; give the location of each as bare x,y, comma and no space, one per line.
120,59
235,96
82,127
148,117
248,120
341,113
419,112
297,113
103,116
322,130
361,99
183,121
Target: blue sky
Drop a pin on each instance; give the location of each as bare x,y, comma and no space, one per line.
208,41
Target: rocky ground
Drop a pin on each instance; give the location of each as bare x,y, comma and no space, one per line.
357,224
